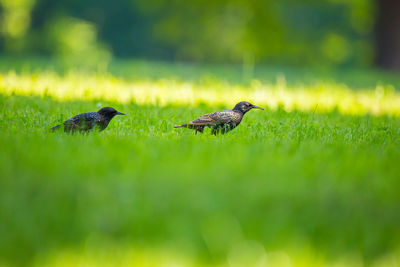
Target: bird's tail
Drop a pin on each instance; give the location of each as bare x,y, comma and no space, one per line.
181,125
55,128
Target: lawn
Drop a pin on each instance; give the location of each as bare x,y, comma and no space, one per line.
311,181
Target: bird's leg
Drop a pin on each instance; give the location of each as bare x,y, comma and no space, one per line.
215,129
199,129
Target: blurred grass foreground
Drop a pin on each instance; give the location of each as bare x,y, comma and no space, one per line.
311,181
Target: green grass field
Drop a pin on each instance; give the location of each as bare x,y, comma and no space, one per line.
311,181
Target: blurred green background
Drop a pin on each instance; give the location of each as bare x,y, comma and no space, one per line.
311,181
307,33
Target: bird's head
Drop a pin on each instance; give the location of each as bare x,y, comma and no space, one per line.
244,106
109,112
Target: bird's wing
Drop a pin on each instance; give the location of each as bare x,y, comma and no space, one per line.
206,119
219,117
82,121
225,116
71,124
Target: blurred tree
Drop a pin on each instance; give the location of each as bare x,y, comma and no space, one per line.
308,32
15,23
388,34
332,32
75,42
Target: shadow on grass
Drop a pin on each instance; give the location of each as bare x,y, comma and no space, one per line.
132,70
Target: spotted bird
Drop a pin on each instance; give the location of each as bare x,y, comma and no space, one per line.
220,121
88,121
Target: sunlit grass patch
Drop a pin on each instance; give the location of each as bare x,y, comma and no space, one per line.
246,253
116,255
320,97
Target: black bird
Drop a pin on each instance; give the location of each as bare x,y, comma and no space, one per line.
88,121
220,121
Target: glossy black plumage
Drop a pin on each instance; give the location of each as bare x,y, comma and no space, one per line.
220,121
88,121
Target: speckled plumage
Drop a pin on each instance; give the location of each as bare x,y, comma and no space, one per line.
220,121
89,121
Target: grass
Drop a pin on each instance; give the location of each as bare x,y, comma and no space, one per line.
300,184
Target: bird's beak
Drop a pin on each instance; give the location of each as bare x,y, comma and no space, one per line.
258,107
120,113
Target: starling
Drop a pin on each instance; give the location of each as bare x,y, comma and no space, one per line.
220,121
88,121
